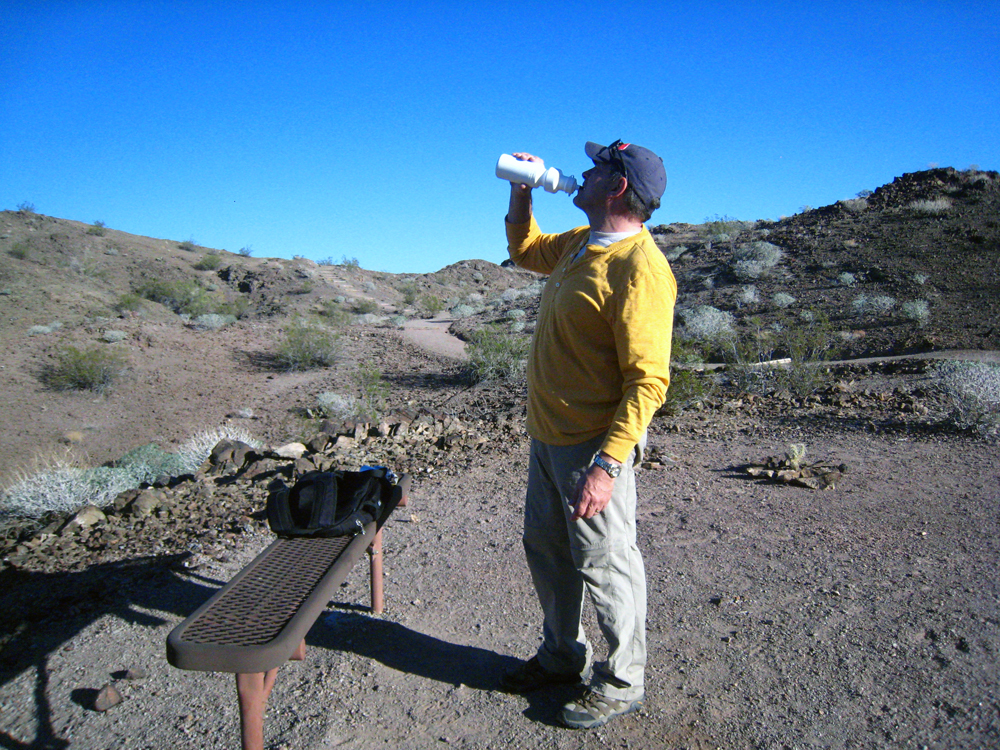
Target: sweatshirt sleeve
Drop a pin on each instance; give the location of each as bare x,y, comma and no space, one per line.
529,248
642,322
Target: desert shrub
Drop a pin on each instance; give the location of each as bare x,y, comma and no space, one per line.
807,346
212,321
19,251
349,262
920,278
128,302
495,355
973,390
463,311
515,314
306,346
398,320
878,305
516,326
27,207
846,279
97,229
365,307
783,300
882,304
687,388
409,290
431,304
935,206
337,406
335,315
328,261
755,259
63,487
185,297
510,295
918,311
748,296
188,245
246,251
193,452
42,330
373,390
94,369
705,323
208,262
854,205
238,307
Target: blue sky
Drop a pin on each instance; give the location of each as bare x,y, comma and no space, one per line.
371,130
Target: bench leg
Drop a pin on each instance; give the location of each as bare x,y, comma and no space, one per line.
375,553
253,691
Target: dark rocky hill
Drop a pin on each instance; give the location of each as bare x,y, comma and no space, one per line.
910,267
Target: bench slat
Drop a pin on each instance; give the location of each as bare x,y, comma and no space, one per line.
256,621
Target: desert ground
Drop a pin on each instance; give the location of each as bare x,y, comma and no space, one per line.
863,615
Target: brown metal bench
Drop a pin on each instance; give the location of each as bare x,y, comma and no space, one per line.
260,619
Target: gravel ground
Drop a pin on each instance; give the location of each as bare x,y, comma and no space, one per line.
867,616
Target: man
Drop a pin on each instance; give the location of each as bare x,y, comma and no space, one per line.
598,371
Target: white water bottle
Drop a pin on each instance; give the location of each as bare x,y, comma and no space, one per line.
533,174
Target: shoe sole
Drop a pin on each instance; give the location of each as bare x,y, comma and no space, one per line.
633,707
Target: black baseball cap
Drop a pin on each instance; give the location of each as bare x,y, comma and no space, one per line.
643,169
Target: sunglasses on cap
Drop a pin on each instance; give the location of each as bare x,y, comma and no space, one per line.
615,155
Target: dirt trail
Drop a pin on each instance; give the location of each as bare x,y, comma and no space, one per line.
433,336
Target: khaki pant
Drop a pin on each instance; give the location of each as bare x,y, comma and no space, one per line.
598,556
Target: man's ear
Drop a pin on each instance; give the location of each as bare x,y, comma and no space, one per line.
620,188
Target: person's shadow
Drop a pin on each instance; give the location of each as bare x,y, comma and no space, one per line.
405,650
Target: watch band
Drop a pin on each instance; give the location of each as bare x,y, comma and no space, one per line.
613,469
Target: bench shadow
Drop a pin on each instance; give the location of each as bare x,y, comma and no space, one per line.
346,628
41,612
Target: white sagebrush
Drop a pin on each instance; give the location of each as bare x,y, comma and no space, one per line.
60,485
197,448
974,391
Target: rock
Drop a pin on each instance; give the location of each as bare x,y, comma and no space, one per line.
107,697
147,503
87,516
291,450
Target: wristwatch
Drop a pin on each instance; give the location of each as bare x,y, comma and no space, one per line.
613,469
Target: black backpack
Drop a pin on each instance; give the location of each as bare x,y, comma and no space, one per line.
331,503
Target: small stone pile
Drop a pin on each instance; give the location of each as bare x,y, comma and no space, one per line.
790,469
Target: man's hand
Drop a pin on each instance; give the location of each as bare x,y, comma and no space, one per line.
519,210
593,492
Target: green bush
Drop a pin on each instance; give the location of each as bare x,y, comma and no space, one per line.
94,369
97,228
306,346
495,355
373,389
19,251
209,262
185,297
431,304
365,307
807,344
128,302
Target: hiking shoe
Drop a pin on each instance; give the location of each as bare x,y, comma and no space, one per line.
594,710
531,675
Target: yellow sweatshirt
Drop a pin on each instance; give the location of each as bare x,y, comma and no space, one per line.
600,356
